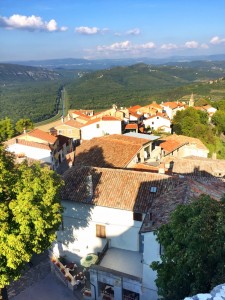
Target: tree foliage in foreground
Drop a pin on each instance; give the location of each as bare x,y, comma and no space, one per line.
30,213
194,249
24,124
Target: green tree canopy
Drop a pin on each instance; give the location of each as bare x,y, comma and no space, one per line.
193,260
24,124
30,213
218,119
6,129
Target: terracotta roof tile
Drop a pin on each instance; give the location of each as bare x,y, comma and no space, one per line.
42,135
131,126
186,139
170,145
196,166
116,188
73,123
173,105
29,144
109,151
185,190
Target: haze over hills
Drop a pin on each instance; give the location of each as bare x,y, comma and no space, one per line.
13,73
36,88
98,64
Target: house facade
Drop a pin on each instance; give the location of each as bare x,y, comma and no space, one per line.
171,108
183,146
42,146
105,209
101,126
158,122
70,128
114,214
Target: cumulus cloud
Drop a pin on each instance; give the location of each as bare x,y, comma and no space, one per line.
168,46
30,23
217,40
191,45
149,45
126,46
87,30
135,31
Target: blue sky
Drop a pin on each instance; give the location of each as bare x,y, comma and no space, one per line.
96,29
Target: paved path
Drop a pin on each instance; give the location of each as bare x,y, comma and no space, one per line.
48,288
39,283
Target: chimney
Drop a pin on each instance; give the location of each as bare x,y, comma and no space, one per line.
62,119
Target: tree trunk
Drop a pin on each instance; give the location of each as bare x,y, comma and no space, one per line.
3,294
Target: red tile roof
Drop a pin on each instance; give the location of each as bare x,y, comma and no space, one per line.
42,135
131,126
182,139
115,188
170,145
109,151
73,123
184,191
29,144
196,166
173,105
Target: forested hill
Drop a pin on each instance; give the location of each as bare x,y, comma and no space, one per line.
11,73
132,84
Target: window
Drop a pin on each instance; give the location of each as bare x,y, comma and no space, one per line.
137,216
97,125
100,231
153,189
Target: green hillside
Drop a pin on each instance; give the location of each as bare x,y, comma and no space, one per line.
139,83
11,73
29,92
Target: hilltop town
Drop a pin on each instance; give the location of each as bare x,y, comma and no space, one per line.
125,171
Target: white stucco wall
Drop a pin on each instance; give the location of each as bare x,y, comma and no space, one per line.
31,152
192,150
151,253
79,235
105,127
111,127
90,131
158,122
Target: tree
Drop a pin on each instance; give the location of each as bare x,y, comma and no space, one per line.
6,129
24,124
30,213
194,252
218,119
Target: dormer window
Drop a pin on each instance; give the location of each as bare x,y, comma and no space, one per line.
153,189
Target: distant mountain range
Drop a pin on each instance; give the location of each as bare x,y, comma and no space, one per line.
91,65
19,73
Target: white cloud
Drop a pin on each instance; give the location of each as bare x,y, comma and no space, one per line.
126,46
135,31
122,46
87,30
191,45
216,40
168,46
149,45
29,23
